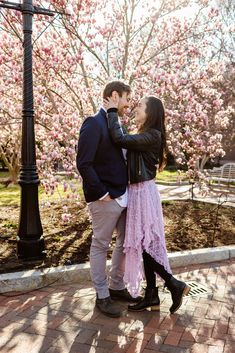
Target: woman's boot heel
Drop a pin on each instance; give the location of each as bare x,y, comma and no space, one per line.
155,308
186,290
178,290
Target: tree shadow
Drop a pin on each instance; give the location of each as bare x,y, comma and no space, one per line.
63,319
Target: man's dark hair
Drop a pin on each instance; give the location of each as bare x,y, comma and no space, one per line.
118,86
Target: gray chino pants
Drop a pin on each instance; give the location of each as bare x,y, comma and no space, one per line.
107,216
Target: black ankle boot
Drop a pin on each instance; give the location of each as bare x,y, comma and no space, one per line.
178,289
151,300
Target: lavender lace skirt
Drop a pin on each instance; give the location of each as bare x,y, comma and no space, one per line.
144,231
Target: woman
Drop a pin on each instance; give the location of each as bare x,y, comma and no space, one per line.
144,228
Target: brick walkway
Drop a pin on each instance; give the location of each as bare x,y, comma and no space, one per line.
62,319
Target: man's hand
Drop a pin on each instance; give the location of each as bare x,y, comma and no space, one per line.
107,198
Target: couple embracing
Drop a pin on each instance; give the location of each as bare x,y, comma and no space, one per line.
118,172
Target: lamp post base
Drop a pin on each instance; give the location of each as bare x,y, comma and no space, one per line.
31,250
30,242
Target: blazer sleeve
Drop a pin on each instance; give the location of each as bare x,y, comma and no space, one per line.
140,142
87,146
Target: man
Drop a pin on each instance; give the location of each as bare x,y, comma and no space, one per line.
102,166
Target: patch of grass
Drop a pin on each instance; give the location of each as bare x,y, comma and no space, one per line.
170,176
196,205
57,238
10,225
10,196
4,174
59,193
167,202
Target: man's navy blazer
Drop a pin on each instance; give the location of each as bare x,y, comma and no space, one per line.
100,162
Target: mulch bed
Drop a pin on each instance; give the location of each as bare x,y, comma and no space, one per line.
188,225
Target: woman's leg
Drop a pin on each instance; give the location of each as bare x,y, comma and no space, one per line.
177,288
150,267
151,298
149,271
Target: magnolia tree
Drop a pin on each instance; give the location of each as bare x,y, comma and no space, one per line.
153,47
10,103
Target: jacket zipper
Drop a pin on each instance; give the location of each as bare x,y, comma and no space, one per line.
139,165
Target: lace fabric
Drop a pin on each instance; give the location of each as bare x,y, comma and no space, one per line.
144,231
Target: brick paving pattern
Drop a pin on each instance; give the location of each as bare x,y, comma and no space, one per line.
62,319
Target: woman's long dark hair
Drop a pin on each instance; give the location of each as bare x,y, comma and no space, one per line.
155,119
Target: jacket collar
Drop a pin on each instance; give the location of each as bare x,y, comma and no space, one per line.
103,112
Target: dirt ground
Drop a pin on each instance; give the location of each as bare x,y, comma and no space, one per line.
188,225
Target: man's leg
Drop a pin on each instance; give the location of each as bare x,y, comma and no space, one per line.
118,257
105,215
117,288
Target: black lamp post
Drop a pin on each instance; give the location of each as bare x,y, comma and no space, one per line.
30,243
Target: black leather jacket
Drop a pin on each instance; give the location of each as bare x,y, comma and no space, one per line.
143,149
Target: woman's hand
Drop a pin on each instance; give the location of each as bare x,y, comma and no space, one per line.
110,103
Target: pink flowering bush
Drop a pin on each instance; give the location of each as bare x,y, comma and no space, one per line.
152,47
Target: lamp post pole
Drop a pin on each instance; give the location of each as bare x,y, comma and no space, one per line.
30,242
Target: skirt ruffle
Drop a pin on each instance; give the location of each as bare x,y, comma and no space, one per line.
144,231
